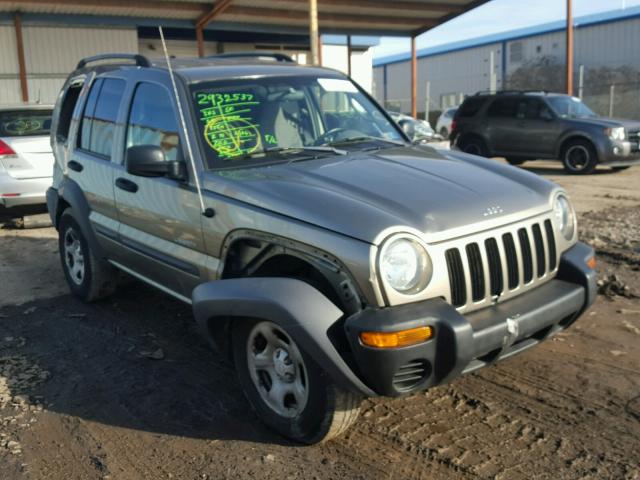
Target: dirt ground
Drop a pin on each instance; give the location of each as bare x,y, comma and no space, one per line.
127,389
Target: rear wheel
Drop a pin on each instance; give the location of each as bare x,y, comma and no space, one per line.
286,388
579,157
444,132
474,146
515,161
88,277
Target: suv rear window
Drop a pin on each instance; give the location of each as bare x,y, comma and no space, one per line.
100,114
470,107
25,123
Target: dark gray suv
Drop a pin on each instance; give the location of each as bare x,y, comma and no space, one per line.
524,126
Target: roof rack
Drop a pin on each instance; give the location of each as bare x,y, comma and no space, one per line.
509,92
141,61
278,57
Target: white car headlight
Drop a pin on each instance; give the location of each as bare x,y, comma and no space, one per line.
616,133
564,216
405,265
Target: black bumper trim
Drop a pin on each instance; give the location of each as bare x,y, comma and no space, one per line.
462,344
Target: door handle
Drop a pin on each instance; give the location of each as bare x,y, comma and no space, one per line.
75,166
127,185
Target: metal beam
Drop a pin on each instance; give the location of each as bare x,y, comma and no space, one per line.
450,16
391,6
313,31
219,7
200,41
151,5
349,55
17,22
287,15
414,79
569,48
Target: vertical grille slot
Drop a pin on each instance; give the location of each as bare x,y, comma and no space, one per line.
551,242
456,277
477,272
527,258
539,243
495,266
512,260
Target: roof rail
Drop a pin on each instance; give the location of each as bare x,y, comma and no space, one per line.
278,57
509,92
141,61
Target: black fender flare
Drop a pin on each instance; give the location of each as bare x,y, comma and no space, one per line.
300,309
72,194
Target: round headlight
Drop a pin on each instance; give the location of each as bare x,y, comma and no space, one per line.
564,216
405,265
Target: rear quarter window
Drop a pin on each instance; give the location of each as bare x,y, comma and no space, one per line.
470,107
25,123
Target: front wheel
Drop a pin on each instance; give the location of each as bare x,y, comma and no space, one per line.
286,388
515,161
579,157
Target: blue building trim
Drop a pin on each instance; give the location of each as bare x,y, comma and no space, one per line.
514,35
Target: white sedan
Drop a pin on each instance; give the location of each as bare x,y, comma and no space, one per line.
26,160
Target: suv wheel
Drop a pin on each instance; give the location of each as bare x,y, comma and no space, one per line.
515,161
474,146
579,157
444,132
88,277
286,388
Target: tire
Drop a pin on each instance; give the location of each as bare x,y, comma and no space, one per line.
474,146
579,157
444,133
619,169
515,161
310,408
88,277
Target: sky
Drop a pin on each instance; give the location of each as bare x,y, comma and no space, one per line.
499,16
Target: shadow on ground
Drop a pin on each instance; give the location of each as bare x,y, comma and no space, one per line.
98,359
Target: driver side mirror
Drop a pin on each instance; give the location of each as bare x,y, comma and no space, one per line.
150,161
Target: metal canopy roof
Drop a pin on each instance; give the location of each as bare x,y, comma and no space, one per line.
367,17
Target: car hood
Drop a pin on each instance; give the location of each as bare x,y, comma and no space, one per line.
629,125
365,194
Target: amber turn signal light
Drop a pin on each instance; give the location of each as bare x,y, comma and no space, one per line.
403,338
591,263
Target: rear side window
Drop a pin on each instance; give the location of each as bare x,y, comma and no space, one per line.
470,107
100,114
66,111
25,123
152,120
504,108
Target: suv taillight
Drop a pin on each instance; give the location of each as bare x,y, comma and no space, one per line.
454,125
5,149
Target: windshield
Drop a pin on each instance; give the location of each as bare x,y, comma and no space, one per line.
24,123
270,119
570,107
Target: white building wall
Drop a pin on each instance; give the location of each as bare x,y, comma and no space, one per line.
335,56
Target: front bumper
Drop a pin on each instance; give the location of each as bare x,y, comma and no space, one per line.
620,153
462,344
16,193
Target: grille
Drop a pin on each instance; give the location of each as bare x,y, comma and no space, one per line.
491,267
410,374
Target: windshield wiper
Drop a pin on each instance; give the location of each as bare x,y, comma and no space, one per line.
368,138
313,149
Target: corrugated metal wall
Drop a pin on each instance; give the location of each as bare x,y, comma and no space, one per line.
9,80
51,53
466,71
